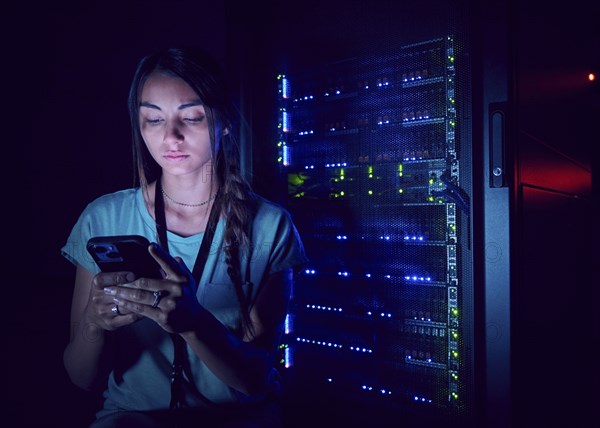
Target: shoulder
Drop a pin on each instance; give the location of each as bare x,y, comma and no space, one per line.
267,210
120,199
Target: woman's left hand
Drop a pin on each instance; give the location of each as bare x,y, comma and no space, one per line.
170,301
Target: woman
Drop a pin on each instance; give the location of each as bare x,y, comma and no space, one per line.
190,347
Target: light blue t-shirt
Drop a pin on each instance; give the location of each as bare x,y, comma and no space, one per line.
140,379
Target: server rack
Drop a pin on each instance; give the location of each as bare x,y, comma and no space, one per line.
371,151
513,271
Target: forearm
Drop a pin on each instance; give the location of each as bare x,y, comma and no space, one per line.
241,365
85,355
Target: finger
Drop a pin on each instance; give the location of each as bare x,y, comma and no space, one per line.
169,265
105,279
118,310
124,319
185,270
138,309
139,293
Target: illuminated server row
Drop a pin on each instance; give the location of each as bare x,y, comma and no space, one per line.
368,149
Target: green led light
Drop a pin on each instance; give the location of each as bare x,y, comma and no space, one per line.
342,193
400,190
279,159
370,192
431,181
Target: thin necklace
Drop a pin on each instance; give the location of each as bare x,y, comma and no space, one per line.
188,205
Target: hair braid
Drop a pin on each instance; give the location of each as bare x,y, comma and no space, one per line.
236,204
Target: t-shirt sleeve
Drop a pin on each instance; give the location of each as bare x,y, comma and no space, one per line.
288,250
74,249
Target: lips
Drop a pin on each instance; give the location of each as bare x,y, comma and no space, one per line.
175,156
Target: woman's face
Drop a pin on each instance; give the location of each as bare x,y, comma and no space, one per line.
174,126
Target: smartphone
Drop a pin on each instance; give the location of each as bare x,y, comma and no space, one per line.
124,253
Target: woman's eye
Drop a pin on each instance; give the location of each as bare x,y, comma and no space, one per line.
153,121
194,119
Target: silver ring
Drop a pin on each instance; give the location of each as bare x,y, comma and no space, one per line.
158,294
115,310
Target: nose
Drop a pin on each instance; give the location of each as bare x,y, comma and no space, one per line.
172,133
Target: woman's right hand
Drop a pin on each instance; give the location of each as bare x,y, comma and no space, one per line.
100,309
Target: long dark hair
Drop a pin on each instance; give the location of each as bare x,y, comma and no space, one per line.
235,201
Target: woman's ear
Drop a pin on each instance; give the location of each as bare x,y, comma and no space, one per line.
225,131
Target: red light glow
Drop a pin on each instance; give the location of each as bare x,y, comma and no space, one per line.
591,77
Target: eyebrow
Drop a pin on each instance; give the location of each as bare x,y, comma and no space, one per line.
181,107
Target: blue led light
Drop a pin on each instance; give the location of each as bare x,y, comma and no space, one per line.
285,87
359,349
288,357
288,323
286,156
285,121
416,278
323,308
319,342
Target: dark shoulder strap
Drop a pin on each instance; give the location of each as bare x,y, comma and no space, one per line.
179,348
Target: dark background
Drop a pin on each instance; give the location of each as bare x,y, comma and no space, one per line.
66,72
